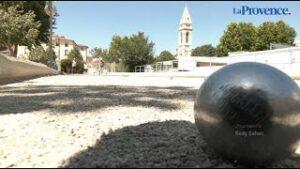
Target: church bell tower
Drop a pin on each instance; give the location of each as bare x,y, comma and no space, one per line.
185,34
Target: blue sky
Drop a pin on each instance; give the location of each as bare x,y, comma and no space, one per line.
94,23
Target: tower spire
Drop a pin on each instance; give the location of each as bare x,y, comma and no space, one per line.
186,18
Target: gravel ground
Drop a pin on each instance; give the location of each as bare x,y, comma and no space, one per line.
94,121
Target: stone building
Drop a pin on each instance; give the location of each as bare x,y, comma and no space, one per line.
185,34
61,46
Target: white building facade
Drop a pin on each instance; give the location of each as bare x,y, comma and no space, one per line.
285,59
61,46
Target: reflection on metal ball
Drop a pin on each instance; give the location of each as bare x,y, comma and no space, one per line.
250,113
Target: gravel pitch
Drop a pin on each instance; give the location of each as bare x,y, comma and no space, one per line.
96,121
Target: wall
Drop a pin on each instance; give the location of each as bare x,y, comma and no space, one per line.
13,70
83,53
286,59
23,52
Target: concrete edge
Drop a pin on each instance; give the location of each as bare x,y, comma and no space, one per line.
14,70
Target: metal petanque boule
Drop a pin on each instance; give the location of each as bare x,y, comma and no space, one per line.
249,113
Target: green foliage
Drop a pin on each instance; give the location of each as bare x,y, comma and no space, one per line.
96,52
165,56
222,50
204,50
76,55
115,48
132,51
38,54
246,37
121,67
102,53
270,32
37,8
79,67
66,65
237,37
51,58
17,27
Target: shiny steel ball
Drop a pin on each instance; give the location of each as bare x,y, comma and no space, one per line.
249,113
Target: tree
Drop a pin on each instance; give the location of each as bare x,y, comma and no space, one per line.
237,37
165,56
17,27
37,7
102,53
114,48
106,57
96,52
204,50
38,54
51,57
137,50
246,37
76,55
132,51
270,32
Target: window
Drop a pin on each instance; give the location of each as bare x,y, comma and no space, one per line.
202,64
66,45
187,37
206,64
57,44
181,37
175,64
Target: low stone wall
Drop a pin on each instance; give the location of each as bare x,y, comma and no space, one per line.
199,73
13,70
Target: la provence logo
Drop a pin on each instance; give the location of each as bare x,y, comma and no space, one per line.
246,10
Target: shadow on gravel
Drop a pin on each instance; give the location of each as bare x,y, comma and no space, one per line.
171,144
68,99
157,144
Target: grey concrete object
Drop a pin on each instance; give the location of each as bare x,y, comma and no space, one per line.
249,113
13,70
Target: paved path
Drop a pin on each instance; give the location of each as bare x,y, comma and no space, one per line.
94,121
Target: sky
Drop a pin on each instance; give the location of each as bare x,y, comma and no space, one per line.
94,23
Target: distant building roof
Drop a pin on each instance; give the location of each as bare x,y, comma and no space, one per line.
57,38
83,46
